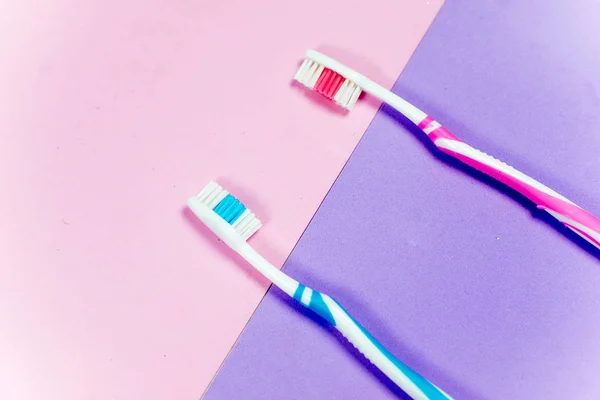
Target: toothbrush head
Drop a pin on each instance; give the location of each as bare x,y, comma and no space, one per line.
330,78
225,215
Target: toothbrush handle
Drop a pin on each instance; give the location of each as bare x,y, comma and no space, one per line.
572,216
408,380
412,383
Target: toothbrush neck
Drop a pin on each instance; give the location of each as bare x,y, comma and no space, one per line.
268,270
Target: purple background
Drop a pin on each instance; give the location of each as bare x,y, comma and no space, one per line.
461,278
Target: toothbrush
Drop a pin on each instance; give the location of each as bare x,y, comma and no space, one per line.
343,85
233,223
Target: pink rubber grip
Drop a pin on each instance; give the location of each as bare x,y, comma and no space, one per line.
571,215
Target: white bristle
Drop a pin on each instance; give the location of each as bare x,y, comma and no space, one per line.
246,225
315,75
352,100
345,92
300,71
249,227
212,194
308,74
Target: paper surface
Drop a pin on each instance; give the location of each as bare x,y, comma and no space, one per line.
112,114
465,282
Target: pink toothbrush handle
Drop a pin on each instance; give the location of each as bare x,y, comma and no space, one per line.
575,218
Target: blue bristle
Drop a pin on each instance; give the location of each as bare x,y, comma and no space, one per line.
230,209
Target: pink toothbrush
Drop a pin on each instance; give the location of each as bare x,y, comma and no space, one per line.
343,85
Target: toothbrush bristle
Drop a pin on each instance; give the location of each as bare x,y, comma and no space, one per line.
328,83
230,209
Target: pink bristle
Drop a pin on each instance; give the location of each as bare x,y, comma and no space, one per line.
322,79
335,86
332,78
329,83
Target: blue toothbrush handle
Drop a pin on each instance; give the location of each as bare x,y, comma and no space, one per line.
408,380
221,219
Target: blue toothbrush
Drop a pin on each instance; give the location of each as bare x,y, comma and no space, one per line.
233,223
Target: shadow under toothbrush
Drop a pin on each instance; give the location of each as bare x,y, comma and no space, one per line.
516,196
366,317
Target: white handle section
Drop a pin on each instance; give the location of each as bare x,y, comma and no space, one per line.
283,281
408,110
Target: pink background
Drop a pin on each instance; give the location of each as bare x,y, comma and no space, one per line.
112,114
